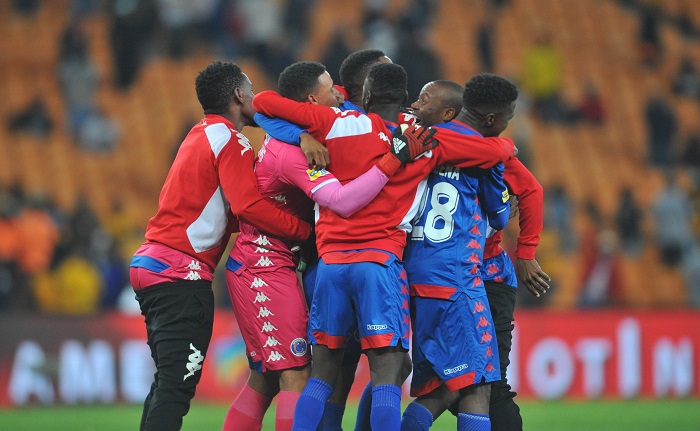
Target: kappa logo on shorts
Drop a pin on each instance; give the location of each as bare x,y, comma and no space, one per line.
264,261
262,240
264,312
298,347
376,327
271,342
258,282
268,327
193,275
456,369
261,297
194,265
275,356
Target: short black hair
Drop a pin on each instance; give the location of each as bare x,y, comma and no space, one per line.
215,86
355,67
387,82
488,91
298,80
452,94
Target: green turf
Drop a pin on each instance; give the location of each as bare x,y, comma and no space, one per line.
670,415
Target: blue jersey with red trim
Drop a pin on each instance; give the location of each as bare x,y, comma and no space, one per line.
445,248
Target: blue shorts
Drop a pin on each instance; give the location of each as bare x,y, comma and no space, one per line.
369,297
454,343
499,269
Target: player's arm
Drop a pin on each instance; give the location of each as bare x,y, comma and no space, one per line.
284,131
530,195
325,189
319,120
494,198
471,151
239,185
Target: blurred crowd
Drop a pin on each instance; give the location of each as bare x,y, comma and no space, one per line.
74,262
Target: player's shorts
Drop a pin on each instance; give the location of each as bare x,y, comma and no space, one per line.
271,315
155,263
499,269
454,343
369,297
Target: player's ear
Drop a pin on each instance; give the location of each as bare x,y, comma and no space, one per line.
238,95
490,119
448,114
312,98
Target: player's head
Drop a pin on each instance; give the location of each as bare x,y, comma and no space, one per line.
308,81
488,102
355,67
385,85
438,102
222,87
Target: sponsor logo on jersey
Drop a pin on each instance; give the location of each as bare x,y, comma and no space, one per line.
265,312
264,261
371,327
195,362
261,297
456,369
267,327
315,174
275,356
193,275
194,265
244,142
258,282
505,196
271,342
298,347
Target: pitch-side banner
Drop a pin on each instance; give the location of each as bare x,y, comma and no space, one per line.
104,359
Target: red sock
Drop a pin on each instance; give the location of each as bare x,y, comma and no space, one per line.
286,402
247,411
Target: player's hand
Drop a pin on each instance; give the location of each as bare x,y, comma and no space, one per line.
409,142
316,154
529,273
513,206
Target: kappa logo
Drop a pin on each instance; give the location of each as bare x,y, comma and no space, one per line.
475,231
492,269
264,261
478,308
193,275
265,312
244,142
195,362
267,327
271,342
275,356
371,327
383,137
483,321
456,369
262,240
474,270
194,265
474,258
474,244
258,282
298,347
261,250
261,297
486,337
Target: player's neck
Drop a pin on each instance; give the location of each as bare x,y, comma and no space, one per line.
388,112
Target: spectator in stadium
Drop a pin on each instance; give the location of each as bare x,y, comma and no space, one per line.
356,254
662,130
672,217
686,81
211,186
439,102
649,39
559,216
33,119
628,220
602,278
261,269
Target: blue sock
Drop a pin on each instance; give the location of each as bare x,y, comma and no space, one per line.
416,418
363,409
309,410
473,422
332,417
386,408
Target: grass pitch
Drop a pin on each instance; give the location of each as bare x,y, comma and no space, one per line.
638,415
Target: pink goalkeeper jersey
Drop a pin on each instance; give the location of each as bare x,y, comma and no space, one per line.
284,179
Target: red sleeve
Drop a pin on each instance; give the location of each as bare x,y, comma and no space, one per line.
239,185
525,186
316,119
471,151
